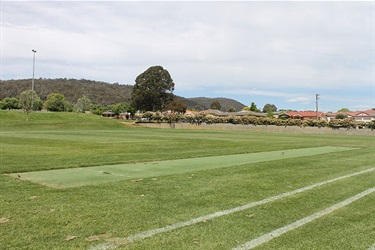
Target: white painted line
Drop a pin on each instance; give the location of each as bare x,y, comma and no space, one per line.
372,247
168,228
276,233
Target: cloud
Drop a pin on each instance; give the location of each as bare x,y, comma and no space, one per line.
300,99
268,49
286,96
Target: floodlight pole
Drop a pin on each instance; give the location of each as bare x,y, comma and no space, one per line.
317,110
32,81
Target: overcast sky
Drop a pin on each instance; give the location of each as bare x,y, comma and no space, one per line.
281,53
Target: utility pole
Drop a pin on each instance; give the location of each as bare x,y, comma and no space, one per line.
32,81
317,109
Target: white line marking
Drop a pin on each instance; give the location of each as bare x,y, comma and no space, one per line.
152,232
372,247
276,233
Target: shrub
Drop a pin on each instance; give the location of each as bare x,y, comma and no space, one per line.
341,116
371,125
201,117
10,103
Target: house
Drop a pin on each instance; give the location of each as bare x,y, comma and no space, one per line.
124,116
302,115
360,116
108,114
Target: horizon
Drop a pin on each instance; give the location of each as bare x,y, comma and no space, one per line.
218,97
282,53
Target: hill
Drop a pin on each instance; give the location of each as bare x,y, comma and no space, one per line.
100,93
202,103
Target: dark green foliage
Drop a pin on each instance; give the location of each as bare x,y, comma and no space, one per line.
253,107
153,89
269,107
10,103
270,113
344,110
176,106
96,109
341,116
371,125
119,108
56,102
215,105
202,103
101,93
38,104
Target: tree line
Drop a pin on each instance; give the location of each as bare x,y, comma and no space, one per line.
100,93
153,90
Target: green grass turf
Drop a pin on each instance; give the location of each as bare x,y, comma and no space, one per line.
40,217
68,140
65,178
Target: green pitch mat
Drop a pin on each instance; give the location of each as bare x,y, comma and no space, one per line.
75,177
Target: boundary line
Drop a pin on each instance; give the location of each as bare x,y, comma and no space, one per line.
151,232
280,231
372,247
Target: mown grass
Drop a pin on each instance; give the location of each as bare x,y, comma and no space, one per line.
43,218
91,140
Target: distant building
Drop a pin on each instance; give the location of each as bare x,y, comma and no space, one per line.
108,114
363,116
124,116
302,115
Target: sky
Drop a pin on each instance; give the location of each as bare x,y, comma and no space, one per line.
277,52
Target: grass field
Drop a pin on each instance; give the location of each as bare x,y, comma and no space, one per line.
224,206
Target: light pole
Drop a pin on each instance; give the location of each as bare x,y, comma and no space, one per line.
317,109
32,81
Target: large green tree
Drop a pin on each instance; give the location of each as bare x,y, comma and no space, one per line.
344,110
341,116
119,108
176,106
269,107
57,102
253,107
153,89
82,105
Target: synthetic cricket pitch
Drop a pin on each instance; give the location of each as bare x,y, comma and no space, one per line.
76,177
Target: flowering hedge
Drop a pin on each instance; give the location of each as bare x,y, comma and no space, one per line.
202,117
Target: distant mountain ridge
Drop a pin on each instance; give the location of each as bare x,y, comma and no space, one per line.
101,93
205,103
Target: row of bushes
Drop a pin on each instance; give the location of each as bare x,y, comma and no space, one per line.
202,117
